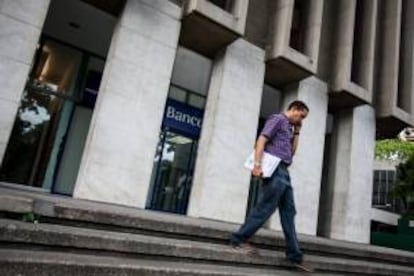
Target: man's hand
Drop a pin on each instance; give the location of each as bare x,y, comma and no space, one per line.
295,138
257,171
297,127
259,148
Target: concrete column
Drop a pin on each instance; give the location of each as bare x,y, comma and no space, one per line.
287,62
389,53
406,67
21,24
349,192
119,152
280,25
353,66
221,184
346,22
306,169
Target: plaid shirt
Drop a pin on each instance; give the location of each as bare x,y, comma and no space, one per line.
279,131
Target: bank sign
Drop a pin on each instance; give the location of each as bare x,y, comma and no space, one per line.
183,119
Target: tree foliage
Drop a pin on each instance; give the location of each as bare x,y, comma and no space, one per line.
393,150
404,188
403,152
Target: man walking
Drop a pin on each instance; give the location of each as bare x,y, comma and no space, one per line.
279,137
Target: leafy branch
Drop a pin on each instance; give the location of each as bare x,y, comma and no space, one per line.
393,150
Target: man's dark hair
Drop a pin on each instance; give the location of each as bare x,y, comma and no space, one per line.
298,105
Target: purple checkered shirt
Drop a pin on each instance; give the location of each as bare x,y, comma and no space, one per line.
279,131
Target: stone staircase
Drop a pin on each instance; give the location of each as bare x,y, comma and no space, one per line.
66,236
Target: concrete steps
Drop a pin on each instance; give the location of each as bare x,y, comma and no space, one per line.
180,227
26,262
51,237
130,241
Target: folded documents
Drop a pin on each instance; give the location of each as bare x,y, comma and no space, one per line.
269,163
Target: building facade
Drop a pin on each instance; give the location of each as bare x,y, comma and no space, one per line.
156,104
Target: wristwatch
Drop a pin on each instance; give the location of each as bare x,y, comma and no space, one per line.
296,133
257,163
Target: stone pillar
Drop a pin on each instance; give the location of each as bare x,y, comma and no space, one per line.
221,184
406,69
119,152
306,169
349,192
389,51
21,23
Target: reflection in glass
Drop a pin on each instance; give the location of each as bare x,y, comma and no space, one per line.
176,151
171,180
226,5
48,107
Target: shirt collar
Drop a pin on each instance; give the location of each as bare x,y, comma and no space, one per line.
286,117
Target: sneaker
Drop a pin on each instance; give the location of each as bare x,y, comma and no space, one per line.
303,267
245,247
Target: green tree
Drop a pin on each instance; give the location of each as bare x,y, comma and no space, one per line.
393,150
404,188
403,152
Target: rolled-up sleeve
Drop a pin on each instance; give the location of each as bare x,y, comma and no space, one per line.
271,126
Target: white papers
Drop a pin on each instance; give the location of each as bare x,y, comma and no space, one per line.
269,163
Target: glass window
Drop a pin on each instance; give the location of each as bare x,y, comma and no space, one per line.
197,101
42,111
177,94
270,104
57,68
384,181
76,133
176,151
191,71
226,5
299,25
56,100
171,181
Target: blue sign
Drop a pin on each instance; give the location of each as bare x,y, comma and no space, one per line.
184,119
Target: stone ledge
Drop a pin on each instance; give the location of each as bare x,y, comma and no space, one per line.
106,241
24,262
128,219
16,204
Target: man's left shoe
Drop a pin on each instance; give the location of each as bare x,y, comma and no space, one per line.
244,247
303,267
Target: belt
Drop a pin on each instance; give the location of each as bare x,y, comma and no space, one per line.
284,164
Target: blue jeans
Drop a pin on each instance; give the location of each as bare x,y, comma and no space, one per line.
277,192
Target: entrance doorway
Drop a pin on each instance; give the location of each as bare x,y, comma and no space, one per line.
52,121
271,103
173,174
176,152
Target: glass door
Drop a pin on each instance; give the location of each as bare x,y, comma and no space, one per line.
45,106
176,151
172,178
53,119
256,184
